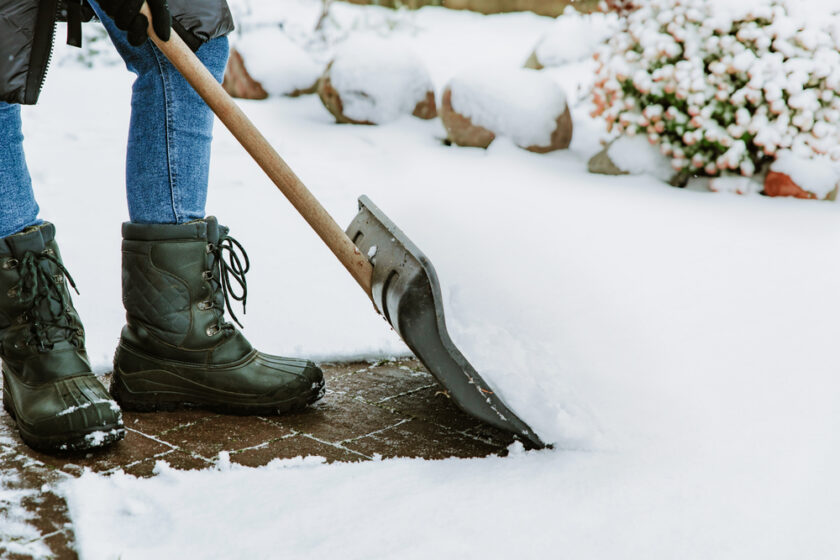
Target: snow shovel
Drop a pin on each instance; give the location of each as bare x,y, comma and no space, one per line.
397,277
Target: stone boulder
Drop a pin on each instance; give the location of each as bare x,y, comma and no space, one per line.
523,105
374,82
815,178
601,164
780,184
460,129
238,82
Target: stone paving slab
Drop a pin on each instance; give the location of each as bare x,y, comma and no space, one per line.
388,409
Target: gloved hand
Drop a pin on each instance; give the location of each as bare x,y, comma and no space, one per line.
126,14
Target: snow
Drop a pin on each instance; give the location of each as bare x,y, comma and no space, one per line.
378,81
69,410
519,103
17,535
735,184
815,11
573,37
97,438
819,176
679,348
531,504
274,60
636,155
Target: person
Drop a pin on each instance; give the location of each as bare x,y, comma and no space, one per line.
181,270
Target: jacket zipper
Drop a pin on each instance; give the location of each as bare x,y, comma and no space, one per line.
43,44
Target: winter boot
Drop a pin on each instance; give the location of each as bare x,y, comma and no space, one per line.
176,349
48,387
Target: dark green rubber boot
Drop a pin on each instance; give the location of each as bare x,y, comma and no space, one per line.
48,387
176,349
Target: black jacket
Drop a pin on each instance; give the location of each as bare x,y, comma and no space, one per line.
27,29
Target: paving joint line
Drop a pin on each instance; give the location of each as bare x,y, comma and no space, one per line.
404,394
47,536
336,445
449,430
153,438
266,443
188,424
138,461
373,433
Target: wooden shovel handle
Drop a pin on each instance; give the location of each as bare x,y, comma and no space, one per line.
182,57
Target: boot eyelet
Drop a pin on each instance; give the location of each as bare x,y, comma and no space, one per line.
212,330
19,345
13,292
10,264
59,279
210,248
207,274
80,332
22,319
48,251
205,305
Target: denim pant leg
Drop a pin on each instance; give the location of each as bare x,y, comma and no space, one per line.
18,208
168,156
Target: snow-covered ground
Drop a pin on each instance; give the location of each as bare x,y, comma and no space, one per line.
678,347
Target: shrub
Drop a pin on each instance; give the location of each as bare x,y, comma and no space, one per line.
721,91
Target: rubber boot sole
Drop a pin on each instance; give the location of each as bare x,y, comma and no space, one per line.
82,440
171,398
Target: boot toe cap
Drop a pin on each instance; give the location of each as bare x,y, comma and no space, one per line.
294,378
71,414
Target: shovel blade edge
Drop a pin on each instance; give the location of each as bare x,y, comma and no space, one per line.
406,292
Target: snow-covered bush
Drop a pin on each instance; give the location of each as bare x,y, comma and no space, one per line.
621,7
722,89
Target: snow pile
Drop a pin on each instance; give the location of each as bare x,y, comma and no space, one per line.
378,81
735,185
521,104
574,37
819,176
277,63
635,155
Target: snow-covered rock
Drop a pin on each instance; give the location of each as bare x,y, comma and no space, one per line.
521,104
601,164
372,81
266,59
632,155
238,82
573,37
792,175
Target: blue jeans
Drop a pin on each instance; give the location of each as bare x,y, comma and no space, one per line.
168,154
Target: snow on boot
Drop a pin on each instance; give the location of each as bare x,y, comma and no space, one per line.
48,386
176,349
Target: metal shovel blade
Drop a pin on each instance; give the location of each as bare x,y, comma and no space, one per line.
406,292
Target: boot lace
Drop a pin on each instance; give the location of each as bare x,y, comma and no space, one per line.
229,265
49,303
